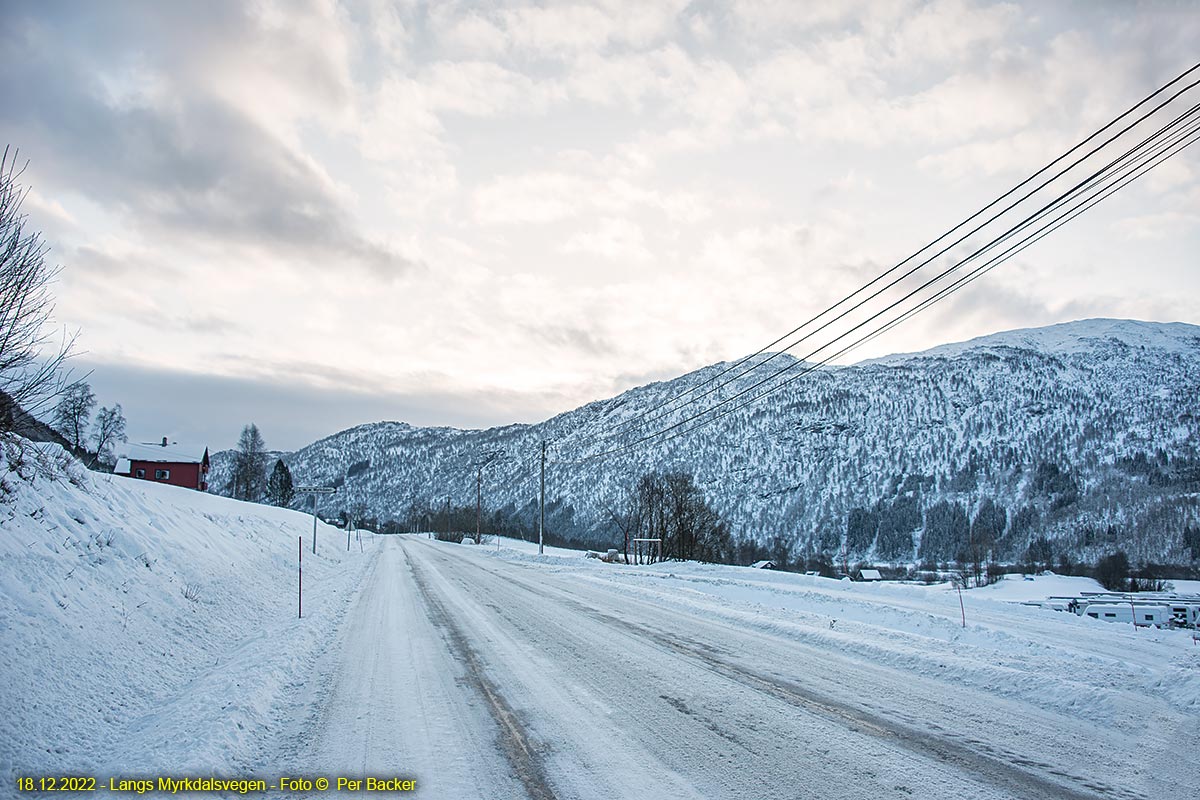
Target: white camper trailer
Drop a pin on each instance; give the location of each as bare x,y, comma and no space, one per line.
1185,615
1142,615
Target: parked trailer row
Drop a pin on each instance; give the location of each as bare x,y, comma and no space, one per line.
1157,609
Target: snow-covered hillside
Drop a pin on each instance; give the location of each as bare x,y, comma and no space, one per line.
1084,434
148,626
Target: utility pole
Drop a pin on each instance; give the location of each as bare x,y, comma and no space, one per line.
542,503
447,518
479,495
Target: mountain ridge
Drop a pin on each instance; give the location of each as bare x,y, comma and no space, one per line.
1082,434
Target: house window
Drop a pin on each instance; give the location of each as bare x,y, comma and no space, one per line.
1109,616
162,474
1093,615
1149,617
139,473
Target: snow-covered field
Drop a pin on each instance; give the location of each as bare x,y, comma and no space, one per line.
504,674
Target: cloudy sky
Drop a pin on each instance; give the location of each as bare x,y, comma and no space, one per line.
311,215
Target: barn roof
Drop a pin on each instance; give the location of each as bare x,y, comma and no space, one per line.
870,575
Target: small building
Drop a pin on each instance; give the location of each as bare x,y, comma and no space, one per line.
167,462
869,575
764,565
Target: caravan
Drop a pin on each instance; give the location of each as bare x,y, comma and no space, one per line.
1143,615
1185,615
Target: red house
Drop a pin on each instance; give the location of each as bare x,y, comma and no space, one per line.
168,462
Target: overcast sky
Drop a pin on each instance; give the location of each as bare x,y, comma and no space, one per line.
311,215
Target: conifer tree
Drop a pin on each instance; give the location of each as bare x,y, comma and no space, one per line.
280,489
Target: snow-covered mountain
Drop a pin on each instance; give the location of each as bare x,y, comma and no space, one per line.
1084,434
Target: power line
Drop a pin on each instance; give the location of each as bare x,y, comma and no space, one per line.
652,413
1193,135
944,292
1087,184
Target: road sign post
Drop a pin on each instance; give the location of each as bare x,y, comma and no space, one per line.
314,491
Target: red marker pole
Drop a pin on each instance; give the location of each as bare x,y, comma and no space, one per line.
300,578
962,608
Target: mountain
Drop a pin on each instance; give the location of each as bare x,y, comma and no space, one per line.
1077,439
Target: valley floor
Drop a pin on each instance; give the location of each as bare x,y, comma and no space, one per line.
509,676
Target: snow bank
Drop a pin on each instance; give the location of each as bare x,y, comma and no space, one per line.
148,626
1017,588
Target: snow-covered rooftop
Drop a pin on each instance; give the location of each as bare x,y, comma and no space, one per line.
171,452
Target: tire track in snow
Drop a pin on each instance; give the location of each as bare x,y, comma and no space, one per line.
518,749
1002,771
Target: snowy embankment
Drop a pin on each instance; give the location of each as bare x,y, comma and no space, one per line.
1101,672
150,627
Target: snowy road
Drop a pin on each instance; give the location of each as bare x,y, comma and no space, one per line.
481,677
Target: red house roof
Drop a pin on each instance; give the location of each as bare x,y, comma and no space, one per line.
172,463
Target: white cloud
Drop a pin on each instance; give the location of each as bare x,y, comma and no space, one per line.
573,28
483,88
1022,152
472,34
613,239
594,191
529,198
1159,226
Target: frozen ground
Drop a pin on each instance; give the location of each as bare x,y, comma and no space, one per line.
512,675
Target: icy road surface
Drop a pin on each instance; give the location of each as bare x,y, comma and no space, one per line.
485,677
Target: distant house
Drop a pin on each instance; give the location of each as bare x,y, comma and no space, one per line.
764,565
869,575
168,462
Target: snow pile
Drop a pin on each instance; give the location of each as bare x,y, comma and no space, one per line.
1018,588
146,625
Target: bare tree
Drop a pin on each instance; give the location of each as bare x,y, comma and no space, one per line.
671,507
249,479
32,370
73,414
109,429
626,514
